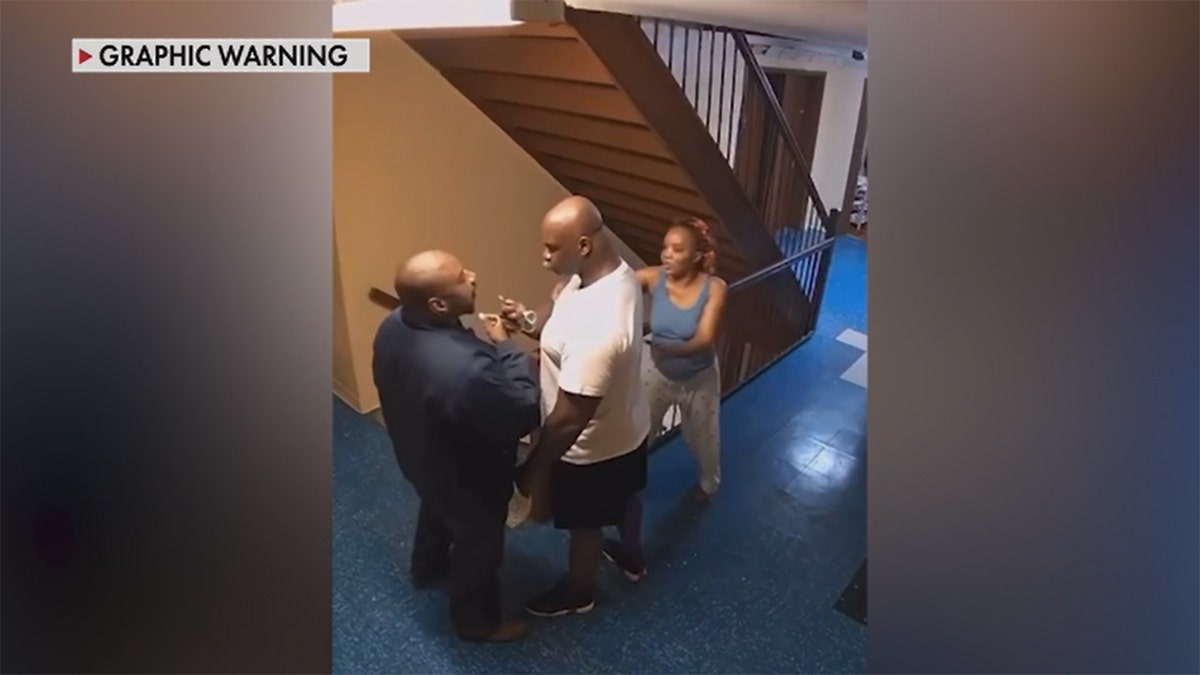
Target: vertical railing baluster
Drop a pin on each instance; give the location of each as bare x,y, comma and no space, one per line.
694,58
706,71
698,80
671,47
813,220
797,199
803,237
810,277
712,77
804,273
686,34
814,299
789,196
721,100
735,105
768,158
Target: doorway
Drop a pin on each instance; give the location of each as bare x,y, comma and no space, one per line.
800,94
761,158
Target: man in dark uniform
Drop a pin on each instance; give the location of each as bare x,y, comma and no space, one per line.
456,407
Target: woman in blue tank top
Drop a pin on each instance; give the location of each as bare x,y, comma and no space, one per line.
687,303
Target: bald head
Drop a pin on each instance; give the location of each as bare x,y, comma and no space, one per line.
573,237
578,216
436,281
423,275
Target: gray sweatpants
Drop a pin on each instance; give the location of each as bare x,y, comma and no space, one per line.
699,403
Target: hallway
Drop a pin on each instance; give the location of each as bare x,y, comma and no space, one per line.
746,584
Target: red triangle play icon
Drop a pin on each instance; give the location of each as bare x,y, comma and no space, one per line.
84,56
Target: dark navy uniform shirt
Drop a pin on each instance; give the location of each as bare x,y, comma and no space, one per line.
455,407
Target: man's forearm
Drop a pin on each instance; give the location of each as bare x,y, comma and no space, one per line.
500,398
518,363
556,438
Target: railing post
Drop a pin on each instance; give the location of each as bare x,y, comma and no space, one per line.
834,216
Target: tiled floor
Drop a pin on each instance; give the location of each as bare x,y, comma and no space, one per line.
747,584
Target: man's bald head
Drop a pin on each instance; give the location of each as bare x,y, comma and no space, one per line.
436,282
572,235
577,215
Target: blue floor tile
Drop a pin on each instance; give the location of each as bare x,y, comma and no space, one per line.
745,584
845,303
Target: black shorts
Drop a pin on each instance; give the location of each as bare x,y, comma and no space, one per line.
591,496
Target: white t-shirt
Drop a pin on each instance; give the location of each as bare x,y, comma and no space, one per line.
592,346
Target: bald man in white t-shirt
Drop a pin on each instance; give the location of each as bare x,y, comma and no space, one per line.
591,453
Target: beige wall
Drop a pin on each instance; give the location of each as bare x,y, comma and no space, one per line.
344,380
417,166
842,98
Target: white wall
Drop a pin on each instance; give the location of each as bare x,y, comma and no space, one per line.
844,80
832,22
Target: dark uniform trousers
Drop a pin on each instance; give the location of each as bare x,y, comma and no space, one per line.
456,408
471,544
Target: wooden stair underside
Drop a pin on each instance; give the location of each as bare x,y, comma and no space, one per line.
550,92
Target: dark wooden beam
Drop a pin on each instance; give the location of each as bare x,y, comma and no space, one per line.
618,41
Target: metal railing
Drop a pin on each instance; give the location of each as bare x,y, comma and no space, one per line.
730,92
758,333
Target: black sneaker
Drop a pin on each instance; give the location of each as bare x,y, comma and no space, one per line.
558,602
614,552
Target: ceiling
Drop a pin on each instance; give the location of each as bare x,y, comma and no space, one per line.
837,24
840,23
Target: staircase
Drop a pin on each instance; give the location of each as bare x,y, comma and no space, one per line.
654,120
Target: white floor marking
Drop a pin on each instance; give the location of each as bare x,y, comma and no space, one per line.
857,372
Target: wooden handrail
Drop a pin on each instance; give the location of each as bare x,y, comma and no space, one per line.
383,298
760,76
